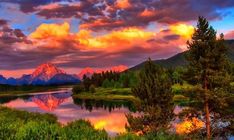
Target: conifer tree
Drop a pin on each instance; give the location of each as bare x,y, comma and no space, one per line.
207,69
154,91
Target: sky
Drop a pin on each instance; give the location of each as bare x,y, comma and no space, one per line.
74,34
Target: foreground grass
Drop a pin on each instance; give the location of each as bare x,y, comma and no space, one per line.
22,125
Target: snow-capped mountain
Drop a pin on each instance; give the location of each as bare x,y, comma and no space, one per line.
45,72
86,71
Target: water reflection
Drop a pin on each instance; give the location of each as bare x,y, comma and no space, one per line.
110,105
109,115
49,102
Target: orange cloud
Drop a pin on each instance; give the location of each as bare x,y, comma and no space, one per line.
53,35
116,39
123,4
100,23
48,7
51,30
183,30
59,36
147,13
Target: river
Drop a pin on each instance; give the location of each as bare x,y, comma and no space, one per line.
108,115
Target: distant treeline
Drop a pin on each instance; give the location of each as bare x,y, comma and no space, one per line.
111,79
24,88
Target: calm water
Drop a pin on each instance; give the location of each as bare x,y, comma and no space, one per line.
109,115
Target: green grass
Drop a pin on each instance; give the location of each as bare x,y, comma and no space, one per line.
179,89
108,94
123,94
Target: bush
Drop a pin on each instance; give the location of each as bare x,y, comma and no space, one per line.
92,89
78,89
38,130
82,130
150,136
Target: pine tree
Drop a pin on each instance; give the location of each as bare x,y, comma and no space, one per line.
207,69
86,82
154,91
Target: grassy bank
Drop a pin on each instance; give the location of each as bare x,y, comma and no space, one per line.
108,94
22,125
124,94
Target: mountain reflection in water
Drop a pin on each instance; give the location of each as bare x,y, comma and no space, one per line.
49,102
109,115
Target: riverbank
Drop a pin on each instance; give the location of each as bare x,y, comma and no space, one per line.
20,125
108,94
7,90
120,94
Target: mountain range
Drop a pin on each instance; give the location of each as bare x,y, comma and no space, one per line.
179,59
49,74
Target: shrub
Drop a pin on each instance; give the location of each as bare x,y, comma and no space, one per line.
78,89
160,135
82,130
38,130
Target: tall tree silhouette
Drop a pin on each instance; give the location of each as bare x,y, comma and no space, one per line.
154,91
207,69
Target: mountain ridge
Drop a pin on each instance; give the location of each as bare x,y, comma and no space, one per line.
49,74
179,59
44,74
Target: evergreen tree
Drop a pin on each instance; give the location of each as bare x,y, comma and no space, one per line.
86,82
154,91
207,69
106,83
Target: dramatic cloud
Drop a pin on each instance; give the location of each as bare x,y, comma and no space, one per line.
106,14
101,33
183,30
55,43
103,14
51,30
9,36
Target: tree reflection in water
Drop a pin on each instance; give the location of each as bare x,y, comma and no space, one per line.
90,104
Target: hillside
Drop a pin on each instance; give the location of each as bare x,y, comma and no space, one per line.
179,59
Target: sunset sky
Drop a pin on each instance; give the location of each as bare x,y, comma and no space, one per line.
74,34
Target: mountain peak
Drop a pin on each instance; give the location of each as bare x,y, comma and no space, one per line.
86,71
119,68
46,71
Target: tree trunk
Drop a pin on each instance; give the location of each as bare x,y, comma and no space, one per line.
207,120
208,133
